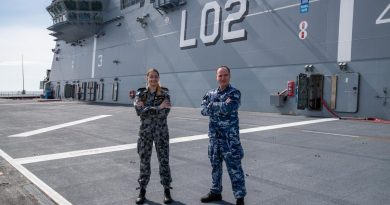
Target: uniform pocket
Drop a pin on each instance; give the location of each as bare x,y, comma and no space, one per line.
234,145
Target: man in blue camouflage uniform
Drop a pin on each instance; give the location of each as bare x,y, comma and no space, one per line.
221,105
152,105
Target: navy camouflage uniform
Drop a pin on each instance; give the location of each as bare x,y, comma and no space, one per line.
154,128
224,140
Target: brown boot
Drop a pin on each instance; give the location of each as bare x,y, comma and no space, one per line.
141,197
210,197
167,196
240,201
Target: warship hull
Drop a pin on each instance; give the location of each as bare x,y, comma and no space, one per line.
336,53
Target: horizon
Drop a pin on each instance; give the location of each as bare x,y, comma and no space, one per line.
23,32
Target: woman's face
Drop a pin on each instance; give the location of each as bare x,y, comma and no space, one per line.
153,79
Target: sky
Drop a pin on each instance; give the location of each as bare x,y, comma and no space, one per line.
23,32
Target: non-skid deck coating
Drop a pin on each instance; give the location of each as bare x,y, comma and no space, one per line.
85,154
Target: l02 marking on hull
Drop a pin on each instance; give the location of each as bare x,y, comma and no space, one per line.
228,34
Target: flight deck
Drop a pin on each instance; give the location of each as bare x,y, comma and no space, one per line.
68,152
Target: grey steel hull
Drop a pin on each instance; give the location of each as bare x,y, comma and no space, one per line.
271,53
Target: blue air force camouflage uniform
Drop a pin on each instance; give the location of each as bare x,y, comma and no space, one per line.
154,128
224,138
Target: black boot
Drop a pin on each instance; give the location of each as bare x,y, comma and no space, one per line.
167,196
211,197
141,197
240,201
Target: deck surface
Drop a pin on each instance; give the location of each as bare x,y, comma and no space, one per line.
77,153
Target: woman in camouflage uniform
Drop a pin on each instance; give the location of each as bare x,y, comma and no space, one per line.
152,104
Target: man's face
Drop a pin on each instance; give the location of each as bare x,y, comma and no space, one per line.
223,77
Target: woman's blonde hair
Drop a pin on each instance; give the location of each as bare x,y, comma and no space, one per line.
158,74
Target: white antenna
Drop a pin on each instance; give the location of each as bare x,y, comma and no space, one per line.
23,91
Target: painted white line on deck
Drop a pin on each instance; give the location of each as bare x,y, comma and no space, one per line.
249,125
35,180
272,127
327,133
38,103
72,154
189,138
64,155
186,118
55,127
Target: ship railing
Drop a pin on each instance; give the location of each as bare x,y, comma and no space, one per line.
15,94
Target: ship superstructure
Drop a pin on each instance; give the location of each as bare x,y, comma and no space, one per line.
287,56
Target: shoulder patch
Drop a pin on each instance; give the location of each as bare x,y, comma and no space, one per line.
141,89
164,90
